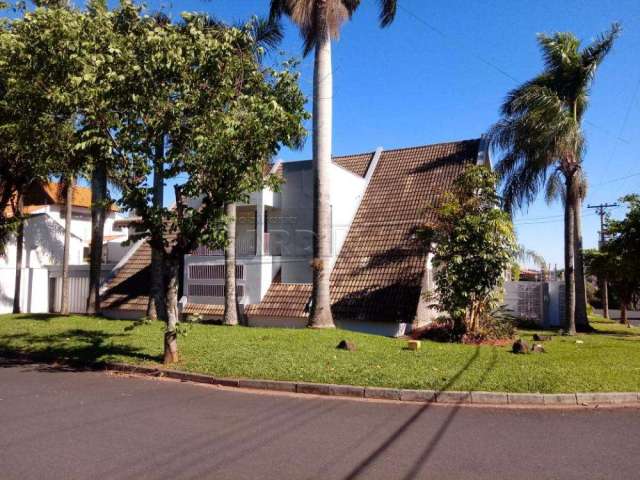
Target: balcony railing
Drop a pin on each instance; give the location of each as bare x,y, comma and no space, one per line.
245,246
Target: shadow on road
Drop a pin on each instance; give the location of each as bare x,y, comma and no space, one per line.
430,446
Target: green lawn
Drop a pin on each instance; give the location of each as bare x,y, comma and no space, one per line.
607,361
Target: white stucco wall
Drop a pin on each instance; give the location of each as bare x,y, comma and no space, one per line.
346,192
44,244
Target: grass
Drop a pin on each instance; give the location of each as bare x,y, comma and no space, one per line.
608,360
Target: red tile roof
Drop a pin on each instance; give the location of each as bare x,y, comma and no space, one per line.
358,164
378,274
283,300
129,288
204,309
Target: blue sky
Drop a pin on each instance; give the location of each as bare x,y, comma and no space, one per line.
440,72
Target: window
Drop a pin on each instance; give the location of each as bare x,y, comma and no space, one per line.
213,272
212,290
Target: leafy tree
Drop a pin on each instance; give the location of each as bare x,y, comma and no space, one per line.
219,115
543,142
38,107
618,260
266,35
319,22
474,245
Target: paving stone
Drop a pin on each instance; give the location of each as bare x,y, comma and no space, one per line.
268,385
418,395
526,398
560,399
329,389
453,397
493,398
383,393
607,398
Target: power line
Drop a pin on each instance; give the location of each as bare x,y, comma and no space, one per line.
613,180
494,66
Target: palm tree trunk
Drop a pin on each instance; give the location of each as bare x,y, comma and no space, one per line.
230,297
98,217
68,208
322,131
155,307
171,307
582,320
19,252
569,273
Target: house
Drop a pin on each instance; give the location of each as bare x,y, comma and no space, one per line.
44,232
379,200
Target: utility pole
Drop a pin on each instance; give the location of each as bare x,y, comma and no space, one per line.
604,284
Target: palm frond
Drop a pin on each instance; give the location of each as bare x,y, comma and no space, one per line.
388,10
266,32
525,254
555,188
316,19
594,54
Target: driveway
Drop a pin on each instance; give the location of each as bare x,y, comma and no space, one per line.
89,425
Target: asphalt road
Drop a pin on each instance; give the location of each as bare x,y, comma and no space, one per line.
633,316
90,425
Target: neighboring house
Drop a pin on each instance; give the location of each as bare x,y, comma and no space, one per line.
44,231
379,267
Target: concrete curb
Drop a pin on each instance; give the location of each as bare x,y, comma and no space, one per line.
404,395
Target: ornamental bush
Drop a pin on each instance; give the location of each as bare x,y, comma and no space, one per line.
474,244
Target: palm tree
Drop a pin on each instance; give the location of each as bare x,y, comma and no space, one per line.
319,22
542,140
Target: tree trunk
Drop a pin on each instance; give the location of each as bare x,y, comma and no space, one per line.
155,307
231,309
19,253
98,217
569,273
321,316
623,313
171,308
582,320
68,208
604,294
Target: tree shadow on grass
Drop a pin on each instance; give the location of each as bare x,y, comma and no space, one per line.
422,459
76,348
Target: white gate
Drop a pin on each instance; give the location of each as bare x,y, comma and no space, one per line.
41,288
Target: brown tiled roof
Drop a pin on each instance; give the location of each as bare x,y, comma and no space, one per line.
378,274
283,300
357,164
81,195
129,288
204,309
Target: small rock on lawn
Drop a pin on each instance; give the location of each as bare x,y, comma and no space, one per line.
347,345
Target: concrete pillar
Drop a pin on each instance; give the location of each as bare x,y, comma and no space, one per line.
260,226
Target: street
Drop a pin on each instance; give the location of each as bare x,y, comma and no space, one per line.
632,315
58,424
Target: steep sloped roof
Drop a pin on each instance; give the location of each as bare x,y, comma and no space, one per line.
129,288
358,164
378,274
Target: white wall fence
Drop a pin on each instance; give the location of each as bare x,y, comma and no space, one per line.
541,302
41,288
